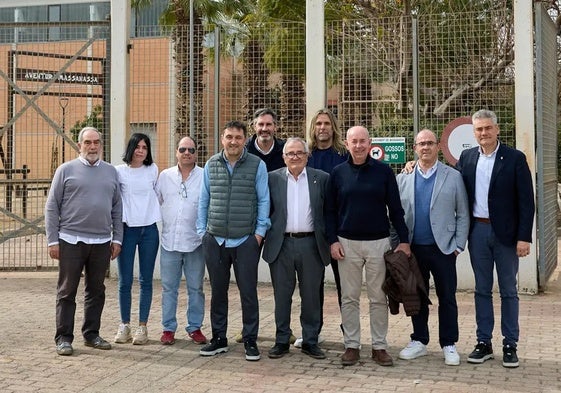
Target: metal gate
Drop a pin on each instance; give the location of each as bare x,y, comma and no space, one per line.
546,127
53,81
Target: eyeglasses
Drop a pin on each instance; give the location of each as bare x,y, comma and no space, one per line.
427,143
297,154
184,149
183,191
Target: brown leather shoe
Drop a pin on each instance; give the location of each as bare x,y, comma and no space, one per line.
350,356
381,357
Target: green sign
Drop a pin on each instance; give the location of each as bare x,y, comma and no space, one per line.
388,150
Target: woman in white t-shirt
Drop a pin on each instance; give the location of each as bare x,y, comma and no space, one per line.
141,212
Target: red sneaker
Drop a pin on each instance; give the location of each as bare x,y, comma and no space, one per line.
168,338
198,337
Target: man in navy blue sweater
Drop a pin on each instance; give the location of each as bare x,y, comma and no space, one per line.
362,193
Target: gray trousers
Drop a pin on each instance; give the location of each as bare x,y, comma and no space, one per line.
245,259
298,258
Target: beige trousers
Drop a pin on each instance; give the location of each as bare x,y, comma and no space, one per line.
367,256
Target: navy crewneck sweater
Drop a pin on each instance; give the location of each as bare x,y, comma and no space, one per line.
360,198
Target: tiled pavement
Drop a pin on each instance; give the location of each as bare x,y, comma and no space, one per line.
29,363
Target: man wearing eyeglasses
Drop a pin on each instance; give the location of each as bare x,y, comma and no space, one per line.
437,215
84,231
181,251
327,150
296,246
233,218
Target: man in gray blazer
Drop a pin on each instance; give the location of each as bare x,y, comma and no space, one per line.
296,246
437,216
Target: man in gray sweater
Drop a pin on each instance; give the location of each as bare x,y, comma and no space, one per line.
84,231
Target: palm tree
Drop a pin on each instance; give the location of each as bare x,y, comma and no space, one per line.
176,18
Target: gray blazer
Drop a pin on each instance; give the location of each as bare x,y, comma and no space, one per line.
317,183
449,210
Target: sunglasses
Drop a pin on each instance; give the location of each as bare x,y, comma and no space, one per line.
184,149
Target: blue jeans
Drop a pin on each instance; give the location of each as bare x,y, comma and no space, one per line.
192,265
147,240
487,251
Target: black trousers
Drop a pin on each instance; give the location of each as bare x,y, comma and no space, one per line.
245,259
93,259
443,269
337,277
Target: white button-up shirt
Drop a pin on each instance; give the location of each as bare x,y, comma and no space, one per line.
179,204
483,174
298,209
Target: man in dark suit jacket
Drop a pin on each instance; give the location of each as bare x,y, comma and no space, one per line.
296,246
501,197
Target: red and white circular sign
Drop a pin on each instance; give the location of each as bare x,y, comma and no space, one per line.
377,152
456,137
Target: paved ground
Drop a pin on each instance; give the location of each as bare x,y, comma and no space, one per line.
29,363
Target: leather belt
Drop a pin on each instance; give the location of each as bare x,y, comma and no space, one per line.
298,235
481,219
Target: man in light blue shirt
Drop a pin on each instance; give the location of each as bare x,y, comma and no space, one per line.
233,218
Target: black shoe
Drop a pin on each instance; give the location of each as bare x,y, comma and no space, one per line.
64,348
278,350
313,351
216,346
481,353
251,351
510,359
97,343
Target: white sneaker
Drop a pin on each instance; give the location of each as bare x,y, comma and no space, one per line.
451,357
123,334
413,350
299,341
140,336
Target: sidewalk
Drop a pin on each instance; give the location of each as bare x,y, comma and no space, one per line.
29,363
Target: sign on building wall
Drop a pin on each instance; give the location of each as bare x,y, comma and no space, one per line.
25,74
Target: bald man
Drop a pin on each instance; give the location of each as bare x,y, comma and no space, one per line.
437,215
362,200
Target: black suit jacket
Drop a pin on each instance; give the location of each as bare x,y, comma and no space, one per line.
511,193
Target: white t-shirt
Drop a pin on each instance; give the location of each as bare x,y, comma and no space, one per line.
138,192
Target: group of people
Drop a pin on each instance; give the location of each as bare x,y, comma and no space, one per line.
301,206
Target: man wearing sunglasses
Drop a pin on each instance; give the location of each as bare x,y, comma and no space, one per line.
181,252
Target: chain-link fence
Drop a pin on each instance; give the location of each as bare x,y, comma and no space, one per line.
382,73
53,77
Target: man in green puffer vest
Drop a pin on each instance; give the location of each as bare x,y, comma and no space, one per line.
233,218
